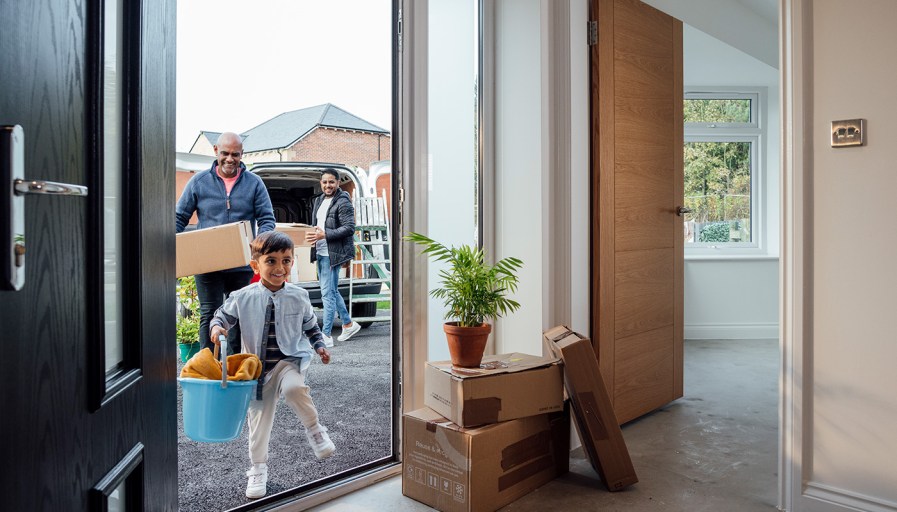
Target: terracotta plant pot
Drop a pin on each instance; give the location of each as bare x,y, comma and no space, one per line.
466,344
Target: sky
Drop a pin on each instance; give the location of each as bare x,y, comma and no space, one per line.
242,63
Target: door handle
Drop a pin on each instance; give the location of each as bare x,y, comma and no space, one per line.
12,204
48,187
682,210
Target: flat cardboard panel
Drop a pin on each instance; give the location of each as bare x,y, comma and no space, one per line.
454,469
505,387
295,231
592,410
210,249
303,269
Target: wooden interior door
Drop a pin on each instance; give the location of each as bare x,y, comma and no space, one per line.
637,244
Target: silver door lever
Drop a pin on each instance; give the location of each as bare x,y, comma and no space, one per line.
12,204
48,187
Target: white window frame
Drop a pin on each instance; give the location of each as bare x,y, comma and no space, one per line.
753,132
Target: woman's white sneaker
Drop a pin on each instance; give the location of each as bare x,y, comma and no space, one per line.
320,442
257,486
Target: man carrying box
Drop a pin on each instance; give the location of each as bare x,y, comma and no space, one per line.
223,194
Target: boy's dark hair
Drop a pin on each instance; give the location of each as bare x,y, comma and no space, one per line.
332,171
270,241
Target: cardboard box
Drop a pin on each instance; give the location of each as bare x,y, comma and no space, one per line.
592,409
295,231
505,387
216,248
454,469
303,269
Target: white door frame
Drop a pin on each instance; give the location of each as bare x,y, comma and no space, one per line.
797,491
792,268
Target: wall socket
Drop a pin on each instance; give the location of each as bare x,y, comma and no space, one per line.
848,132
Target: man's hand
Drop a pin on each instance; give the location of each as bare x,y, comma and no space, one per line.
313,236
215,332
325,355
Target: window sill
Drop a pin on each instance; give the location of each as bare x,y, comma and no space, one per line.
730,257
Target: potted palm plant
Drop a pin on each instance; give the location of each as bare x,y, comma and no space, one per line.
187,327
473,291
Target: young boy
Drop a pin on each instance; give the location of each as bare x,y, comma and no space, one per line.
278,325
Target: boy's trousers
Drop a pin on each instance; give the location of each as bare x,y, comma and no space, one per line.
287,380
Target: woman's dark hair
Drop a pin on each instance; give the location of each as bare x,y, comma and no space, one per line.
270,241
331,170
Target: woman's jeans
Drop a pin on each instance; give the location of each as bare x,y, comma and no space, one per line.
333,301
212,288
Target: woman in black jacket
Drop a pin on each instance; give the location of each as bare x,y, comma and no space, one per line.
334,246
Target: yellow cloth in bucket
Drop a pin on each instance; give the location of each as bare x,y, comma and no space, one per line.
203,365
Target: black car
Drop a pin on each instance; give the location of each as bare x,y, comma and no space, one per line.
293,187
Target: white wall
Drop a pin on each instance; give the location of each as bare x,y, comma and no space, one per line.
731,21
519,172
851,376
735,298
541,164
451,162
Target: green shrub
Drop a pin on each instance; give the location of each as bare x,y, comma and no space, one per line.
716,232
187,327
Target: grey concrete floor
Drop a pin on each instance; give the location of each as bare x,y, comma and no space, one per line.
715,449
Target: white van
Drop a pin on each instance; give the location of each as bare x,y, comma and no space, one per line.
293,187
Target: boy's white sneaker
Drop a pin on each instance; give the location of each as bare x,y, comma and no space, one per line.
257,486
348,333
320,442
328,340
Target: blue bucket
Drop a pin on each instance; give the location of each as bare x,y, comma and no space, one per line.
213,414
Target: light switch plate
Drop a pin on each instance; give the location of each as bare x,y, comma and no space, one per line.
848,132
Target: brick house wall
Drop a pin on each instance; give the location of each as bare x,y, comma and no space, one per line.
351,148
323,144
181,178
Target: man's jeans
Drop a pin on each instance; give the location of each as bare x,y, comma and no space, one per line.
330,296
211,289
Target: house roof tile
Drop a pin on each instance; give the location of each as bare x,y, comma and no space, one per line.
284,130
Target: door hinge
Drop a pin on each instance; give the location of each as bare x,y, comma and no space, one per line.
593,33
401,204
399,30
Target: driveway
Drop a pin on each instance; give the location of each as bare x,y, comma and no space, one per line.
353,397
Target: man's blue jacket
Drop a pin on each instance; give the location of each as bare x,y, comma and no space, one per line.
206,195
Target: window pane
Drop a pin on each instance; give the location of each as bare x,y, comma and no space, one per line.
717,110
718,191
112,137
117,500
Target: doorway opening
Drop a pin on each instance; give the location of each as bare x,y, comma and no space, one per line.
308,86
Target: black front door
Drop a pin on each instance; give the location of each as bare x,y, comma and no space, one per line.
88,352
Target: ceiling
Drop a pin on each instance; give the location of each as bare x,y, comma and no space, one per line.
767,9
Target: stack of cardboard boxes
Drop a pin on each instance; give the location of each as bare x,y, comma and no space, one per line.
490,435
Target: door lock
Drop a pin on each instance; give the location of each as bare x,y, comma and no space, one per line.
12,188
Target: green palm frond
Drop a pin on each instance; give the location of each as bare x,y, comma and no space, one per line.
472,290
